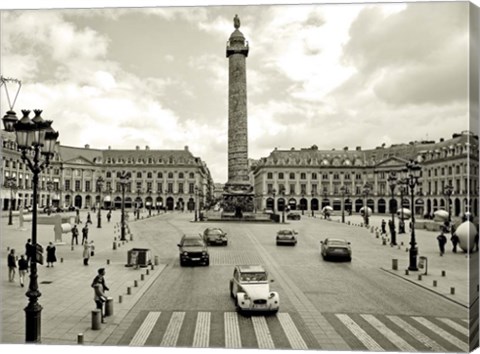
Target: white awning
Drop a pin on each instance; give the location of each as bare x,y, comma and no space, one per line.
107,198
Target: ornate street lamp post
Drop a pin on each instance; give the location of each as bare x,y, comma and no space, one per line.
303,204
282,193
413,170
447,192
137,205
124,180
196,203
110,191
366,191
100,182
273,193
36,139
392,182
343,190
403,191
325,194
10,183
311,203
49,204
150,202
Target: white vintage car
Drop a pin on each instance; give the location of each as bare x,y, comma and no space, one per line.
250,288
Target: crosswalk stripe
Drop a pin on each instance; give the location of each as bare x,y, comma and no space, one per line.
447,336
454,325
264,338
145,329
422,338
173,330
201,338
293,335
368,341
389,334
232,330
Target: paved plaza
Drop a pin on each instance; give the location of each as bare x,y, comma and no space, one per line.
67,297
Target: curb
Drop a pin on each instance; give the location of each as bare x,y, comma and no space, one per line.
424,287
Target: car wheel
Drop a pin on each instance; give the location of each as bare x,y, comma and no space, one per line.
207,262
225,243
182,263
231,290
349,259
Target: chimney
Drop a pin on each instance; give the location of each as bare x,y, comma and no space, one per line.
442,140
137,147
345,148
87,146
186,148
147,147
109,147
358,148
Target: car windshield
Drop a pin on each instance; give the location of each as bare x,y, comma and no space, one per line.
253,277
285,232
337,242
214,232
192,242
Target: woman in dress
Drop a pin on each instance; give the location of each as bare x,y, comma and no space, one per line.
51,256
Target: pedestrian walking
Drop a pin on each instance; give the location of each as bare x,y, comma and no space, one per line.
22,269
442,240
89,218
86,253
77,217
455,240
99,298
51,256
85,233
12,265
384,224
100,278
109,215
92,248
75,234
29,250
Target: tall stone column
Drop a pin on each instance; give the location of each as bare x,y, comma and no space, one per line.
238,196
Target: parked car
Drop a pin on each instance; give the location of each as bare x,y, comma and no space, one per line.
250,288
287,237
293,216
215,236
193,250
335,248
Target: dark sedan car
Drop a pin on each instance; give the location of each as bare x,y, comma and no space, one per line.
193,250
215,236
286,237
336,248
293,216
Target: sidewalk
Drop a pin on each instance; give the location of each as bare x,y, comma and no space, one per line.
461,269
67,298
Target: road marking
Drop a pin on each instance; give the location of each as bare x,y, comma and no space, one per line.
444,334
173,330
201,338
264,338
368,341
145,329
232,330
389,334
293,335
415,333
454,325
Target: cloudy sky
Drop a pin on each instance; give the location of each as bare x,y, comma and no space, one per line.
331,75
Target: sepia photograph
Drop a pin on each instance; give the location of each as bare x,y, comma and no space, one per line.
239,176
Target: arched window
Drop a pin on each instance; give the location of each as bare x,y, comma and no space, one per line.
292,175
191,175
149,175
180,175
159,175
170,174
139,174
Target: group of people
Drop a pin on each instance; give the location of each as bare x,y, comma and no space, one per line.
24,261
442,239
88,247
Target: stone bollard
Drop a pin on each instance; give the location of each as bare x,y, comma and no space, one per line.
8,249
419,277
114,245
452,291
61,260
108,261
96,318
129,290
120,299
123,242
109,307
406,272
156,260
147,272
395,264
135,283
142,277
377,235
80,338
72,248
434,283
444,273
131,237
401,243
152,267
119,245
384,241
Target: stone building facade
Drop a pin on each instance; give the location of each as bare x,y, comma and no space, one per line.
171,179
310,179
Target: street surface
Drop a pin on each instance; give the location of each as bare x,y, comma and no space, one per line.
323,305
